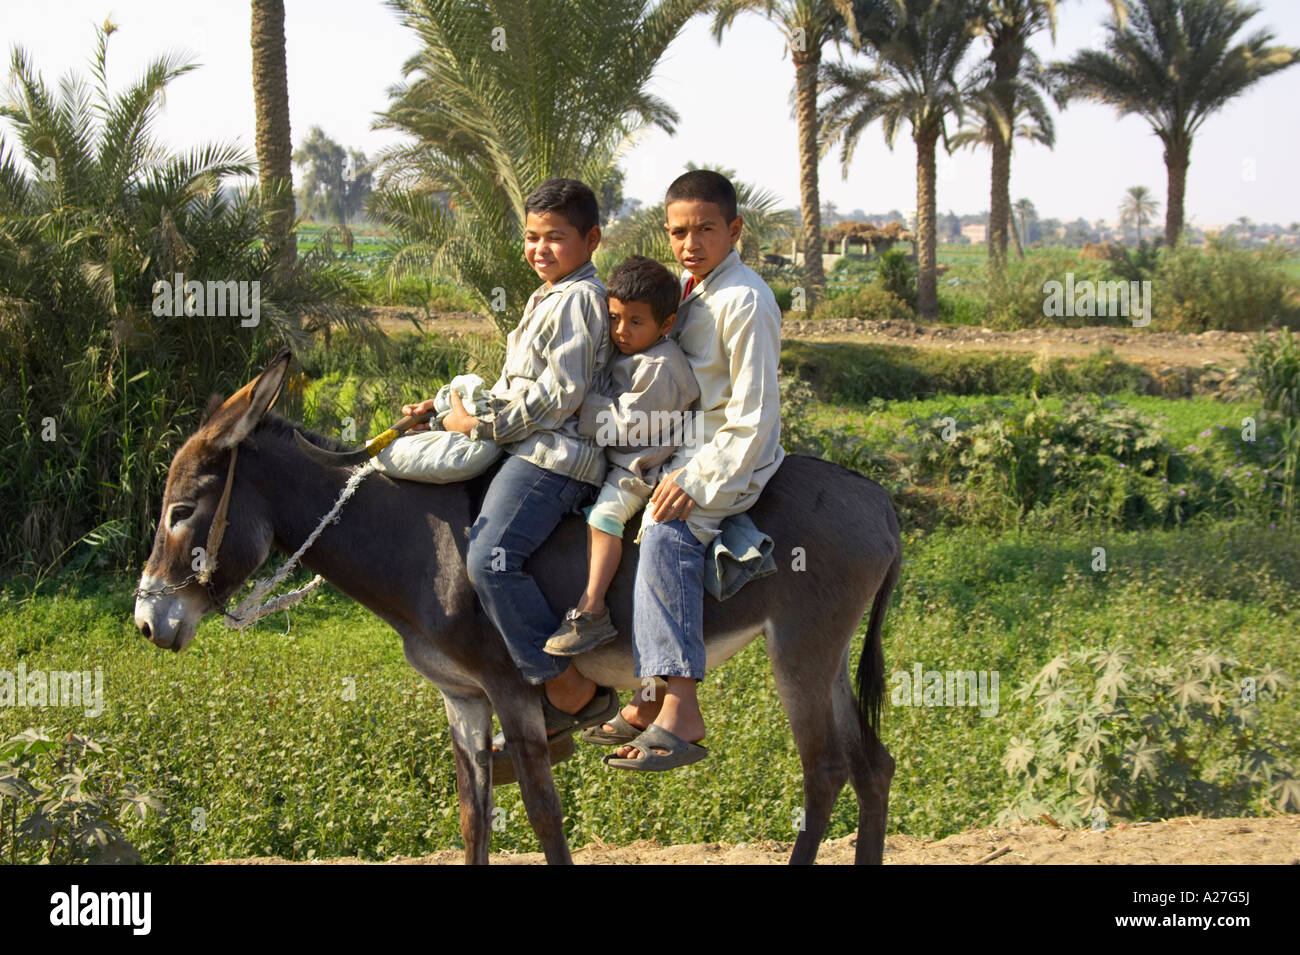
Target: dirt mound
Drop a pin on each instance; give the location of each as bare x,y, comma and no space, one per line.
1189,840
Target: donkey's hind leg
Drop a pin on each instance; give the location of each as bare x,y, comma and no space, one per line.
804,679
871,769
470,719
521,719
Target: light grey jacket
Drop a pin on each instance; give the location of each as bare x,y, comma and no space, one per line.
637,411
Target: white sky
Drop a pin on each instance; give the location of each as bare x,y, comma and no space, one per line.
343,54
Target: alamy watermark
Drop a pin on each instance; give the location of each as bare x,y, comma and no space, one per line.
79,688
924,687
649,429
1089,299
209,299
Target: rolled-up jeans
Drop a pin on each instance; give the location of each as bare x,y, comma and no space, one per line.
523,505
668,602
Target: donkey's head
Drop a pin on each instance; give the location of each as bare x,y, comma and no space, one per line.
197,561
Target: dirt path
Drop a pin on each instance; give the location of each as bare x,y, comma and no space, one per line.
1133,344
1189,840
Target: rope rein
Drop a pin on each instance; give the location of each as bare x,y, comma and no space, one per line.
248,612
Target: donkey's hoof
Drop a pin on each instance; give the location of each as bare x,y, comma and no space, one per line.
503,767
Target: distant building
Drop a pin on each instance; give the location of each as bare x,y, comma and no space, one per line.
975,234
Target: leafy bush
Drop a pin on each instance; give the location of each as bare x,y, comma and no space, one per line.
72,795
1083,461
1149,740
1274,362
868,302
1133,265
896,274
1092,457
1223,287
1275,370
95,210
784,293
1018,299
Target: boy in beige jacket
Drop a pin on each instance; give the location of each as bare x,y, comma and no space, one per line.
729,326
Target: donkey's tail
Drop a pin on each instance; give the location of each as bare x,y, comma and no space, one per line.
871,666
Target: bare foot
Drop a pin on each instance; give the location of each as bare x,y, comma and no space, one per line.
638,713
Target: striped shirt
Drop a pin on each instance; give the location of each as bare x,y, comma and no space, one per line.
552,357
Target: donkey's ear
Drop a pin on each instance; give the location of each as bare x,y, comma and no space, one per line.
214,402
242,411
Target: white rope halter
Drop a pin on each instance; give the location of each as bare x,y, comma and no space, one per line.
248,612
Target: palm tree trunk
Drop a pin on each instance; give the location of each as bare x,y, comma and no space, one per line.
806,63
1177,159
1015,235
1006,56
927,293
274,143
999,204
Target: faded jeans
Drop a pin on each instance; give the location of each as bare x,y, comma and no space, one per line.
668,603
523,505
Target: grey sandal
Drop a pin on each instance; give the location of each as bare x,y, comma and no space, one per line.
624,732
680,752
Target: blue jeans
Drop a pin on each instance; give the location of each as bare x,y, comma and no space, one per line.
668,603
523,505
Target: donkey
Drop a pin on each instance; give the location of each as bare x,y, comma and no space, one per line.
399,548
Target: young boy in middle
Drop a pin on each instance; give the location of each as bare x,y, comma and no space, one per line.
636,410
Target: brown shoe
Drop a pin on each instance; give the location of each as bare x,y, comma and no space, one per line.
579,632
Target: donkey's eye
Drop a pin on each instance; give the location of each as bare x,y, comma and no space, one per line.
179,513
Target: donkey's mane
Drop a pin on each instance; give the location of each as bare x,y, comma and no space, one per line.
282,428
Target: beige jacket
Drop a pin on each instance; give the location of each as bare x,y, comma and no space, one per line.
730,329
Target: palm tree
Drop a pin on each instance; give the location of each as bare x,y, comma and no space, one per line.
274,143
1138,207
1029,119
1009,25
499,98
918,49
808,26
1173,63
1025,209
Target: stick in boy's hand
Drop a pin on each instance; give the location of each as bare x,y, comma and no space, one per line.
670,501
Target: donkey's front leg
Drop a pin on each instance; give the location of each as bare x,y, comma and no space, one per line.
525,732
470,718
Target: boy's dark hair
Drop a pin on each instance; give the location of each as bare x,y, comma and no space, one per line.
570,198
705,185
639,279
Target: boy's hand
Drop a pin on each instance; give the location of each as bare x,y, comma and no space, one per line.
670,501
458,419
424,406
